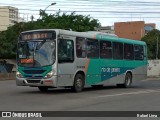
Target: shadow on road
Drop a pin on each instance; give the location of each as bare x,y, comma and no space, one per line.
70,91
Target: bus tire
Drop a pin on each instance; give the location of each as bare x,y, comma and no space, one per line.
78,83
128,80
43,88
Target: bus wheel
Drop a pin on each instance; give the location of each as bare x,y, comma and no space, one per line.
128,80
78,83
43,88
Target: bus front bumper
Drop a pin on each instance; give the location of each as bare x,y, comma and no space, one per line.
50,82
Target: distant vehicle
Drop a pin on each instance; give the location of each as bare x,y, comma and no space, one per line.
49,58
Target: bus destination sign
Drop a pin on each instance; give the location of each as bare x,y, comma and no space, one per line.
37,36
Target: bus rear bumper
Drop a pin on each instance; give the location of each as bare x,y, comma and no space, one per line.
50,82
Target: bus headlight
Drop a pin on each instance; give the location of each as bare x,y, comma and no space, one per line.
18,74
50,74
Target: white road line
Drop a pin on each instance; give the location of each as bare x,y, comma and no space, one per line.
150,79
130,93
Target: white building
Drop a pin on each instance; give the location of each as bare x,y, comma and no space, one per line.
8,17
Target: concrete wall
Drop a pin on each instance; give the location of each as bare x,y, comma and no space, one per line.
153,68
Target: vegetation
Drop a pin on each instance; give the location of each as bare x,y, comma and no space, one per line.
8,38
151,40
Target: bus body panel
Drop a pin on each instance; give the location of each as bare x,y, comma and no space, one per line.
93,72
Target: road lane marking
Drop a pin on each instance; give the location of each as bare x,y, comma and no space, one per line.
130,93
150,79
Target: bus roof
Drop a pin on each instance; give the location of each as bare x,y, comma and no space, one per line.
124,40
93,35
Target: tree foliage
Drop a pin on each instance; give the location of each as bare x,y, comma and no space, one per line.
151,41
59,20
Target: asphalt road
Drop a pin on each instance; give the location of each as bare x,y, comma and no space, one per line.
142,96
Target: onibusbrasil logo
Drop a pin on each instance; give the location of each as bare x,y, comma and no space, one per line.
21,114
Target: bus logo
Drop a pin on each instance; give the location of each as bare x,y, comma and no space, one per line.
6,114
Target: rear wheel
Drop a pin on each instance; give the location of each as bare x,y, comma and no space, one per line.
78,83
43,88
127,82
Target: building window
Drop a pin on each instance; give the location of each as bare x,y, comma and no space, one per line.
128,52
80,47
105,49
92,48
117,50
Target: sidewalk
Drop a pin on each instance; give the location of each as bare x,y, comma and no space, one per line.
7,76
153,78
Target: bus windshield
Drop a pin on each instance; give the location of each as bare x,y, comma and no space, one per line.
36,53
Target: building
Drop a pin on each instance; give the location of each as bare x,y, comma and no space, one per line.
8,17
106,29
133,30
148,27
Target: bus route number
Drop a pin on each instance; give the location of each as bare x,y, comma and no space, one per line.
110,70
106,69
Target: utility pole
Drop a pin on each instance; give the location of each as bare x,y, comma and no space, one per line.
32,18
157,47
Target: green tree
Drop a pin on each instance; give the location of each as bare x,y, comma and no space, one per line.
151,40
59,20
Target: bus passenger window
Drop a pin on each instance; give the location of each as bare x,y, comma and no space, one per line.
105,49
80,47
128,52
117,50
92,48
138,52
65,51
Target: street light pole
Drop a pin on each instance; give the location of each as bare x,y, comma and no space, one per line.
48,7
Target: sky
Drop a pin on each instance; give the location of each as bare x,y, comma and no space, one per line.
106,11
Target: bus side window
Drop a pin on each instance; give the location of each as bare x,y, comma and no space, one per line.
106,49
117,50
65,51
138,52
80,47
92,48
128,52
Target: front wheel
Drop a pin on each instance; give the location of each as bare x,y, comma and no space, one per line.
78,83
43,88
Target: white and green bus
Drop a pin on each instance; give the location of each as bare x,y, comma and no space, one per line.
50,58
